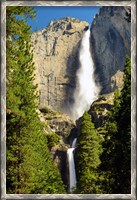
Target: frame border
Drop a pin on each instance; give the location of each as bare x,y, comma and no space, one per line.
131,3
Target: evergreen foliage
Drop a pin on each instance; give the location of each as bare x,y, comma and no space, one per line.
52,140
88,151
29,166
107,169
116,156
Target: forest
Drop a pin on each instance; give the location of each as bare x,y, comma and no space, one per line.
102,156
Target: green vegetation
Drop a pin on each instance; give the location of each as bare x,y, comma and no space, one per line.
47,110
29,166
88,151
52,139
105,167
116,156
49,113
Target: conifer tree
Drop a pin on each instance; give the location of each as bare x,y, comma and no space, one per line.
29,166
116,156
88,151
123,136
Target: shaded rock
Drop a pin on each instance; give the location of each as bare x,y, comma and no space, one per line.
100,109
110,42
72,135
59,156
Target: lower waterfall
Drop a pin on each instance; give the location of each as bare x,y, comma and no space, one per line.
72,172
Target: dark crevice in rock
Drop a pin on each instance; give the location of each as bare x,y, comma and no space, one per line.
62,157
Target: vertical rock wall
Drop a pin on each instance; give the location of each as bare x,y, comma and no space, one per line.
110,42
56,50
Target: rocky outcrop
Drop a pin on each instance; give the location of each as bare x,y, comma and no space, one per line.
100,109
100,112
110,42
59,123
55,51
58,127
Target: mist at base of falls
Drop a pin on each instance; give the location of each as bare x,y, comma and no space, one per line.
86,90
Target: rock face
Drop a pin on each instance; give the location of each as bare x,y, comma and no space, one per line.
100,109
110,42
58,124
56,55
56,50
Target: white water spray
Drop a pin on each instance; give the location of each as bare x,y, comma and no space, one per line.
86,89
86,92
72,173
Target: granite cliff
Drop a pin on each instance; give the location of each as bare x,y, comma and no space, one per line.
110,42
56,51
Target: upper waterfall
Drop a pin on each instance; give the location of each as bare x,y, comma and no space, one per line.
86,88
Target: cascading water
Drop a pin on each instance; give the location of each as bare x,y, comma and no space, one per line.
72,173
85,93
86,89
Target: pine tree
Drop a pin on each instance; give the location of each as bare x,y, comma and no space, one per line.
123,136
116,156
88,151
29,166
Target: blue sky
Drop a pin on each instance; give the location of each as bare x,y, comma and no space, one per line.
46,14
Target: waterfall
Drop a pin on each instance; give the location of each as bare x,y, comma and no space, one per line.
72,173
86,89
85,93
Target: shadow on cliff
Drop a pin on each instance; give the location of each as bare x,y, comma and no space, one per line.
73,65
62,156
110,42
